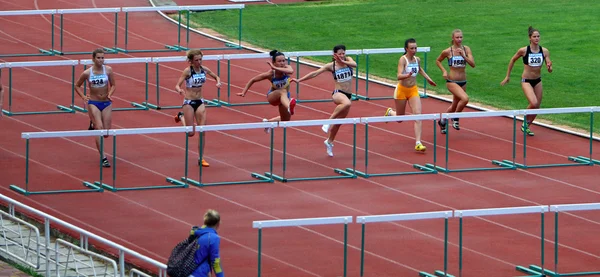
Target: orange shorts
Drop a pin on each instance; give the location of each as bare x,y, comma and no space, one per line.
403,93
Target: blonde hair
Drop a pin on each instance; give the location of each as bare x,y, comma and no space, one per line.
211,218
453,33
193,52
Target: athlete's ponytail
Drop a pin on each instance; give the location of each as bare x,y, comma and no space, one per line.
274,54
531,30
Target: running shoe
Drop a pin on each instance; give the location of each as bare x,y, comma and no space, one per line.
203,163
178,117
292,106
455,124
329,147
525,129
420,147
105,162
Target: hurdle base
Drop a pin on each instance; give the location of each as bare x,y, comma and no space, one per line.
531,271
259,180
422,170
139,106
176,48
65,109
524,166
92,188
343,174
109,50
535,270
584,160
504,163
79,109
232,45
446,170
115,189
46,52
61,110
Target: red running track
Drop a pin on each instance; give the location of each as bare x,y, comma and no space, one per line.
493,245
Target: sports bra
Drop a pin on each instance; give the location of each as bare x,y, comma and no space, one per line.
98,80
456,61
534,59
413,67
282,82
196,79
342,74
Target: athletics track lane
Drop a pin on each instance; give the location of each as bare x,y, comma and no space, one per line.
283,213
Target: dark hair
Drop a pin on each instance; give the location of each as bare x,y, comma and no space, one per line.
338,47
97,51
410,40
531,30
275,53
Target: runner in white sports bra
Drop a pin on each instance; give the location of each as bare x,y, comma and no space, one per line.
458,57
193,108
531,80
341,68
102,86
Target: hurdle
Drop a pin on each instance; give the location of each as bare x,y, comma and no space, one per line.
62,12
579,160
61,108
504,164
540,271
173,183
363,220
239,57
158,60
299,223
341,173
257,178
90,187
180,10
500,211
42,52
136,106
369,52
421,169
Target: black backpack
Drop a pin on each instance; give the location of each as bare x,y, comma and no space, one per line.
181,263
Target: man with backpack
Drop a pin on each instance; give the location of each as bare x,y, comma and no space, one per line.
207,256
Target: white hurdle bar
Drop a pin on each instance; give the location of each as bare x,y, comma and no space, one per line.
499,211
159,60
421,169
300,222
363,220
566,208
327,123
135,105
61,108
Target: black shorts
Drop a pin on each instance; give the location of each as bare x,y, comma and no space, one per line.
194,103
349,95
462,84
532,82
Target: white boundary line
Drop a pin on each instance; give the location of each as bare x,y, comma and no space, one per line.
549,126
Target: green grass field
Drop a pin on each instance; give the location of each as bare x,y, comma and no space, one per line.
493,29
